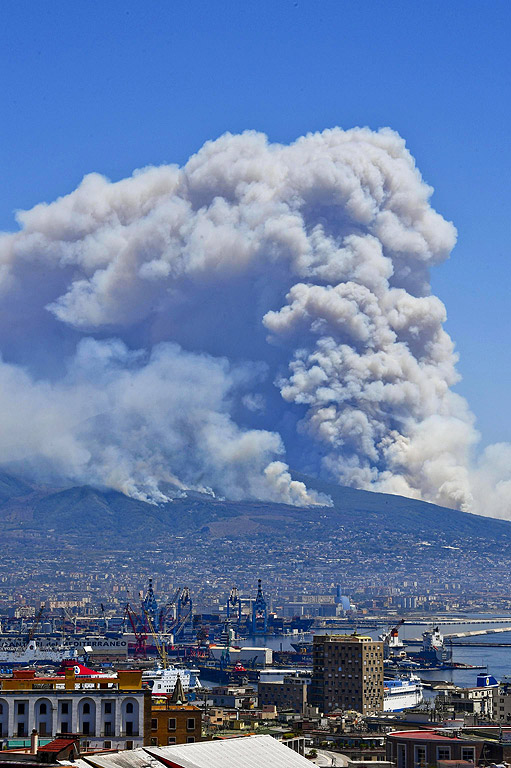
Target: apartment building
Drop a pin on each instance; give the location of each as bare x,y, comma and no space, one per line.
347,673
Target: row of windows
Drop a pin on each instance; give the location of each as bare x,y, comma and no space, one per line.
172,724
108,744
442,753
64,708
172,740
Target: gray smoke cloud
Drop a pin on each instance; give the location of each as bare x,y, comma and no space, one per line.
193,326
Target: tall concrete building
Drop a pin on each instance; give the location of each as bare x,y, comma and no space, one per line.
347,673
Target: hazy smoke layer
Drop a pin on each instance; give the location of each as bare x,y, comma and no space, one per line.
186,325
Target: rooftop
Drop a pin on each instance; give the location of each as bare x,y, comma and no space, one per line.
242,752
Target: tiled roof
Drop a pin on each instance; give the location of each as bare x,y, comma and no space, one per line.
57,745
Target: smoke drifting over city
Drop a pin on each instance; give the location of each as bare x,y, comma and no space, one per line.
264,306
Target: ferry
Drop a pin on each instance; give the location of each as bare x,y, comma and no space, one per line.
162,681
35,653
402,693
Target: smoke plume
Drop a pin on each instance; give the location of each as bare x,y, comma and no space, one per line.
197,327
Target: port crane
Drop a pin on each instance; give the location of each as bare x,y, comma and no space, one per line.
36,623
392,645
234,604
67,617
160,645
184,611
165,611
385,637
140,636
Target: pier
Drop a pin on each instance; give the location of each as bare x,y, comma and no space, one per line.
471,633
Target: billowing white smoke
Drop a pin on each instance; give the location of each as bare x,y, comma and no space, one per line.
146,324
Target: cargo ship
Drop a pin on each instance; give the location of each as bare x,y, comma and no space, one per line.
433,652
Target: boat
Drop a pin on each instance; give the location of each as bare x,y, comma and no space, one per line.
399,663
277,674
34,652
402,693
433,649
163,680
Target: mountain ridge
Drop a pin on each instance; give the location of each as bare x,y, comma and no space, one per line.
109,513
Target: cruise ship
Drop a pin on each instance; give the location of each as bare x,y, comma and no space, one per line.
401,693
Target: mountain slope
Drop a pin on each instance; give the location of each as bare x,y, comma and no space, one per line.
92,512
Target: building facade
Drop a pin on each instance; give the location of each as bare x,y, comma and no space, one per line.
175,724
501,708
107,712
290,693
466,746
347,673
239,697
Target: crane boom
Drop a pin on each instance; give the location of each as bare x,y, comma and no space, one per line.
160,647
34,626
140,637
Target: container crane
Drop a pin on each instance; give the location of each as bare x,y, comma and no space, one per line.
233,604
164,612
183,602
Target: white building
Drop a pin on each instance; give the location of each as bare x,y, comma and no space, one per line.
108,712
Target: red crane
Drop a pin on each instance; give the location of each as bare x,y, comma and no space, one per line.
140,637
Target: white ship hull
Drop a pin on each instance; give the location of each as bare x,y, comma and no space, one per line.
401,694
33,653
163,681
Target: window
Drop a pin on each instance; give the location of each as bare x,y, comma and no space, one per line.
21,708
154,724
86,728
468,753
42,708
1,709
190,724
107,745
171,740
129,745
129,708
190,740
86,708
64,727
154,741
108,707
172,724
401,755
420,756
64,708
443,753
129,728
108,729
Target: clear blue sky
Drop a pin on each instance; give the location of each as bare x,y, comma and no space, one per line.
110,86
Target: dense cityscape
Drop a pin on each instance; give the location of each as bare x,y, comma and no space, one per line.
255,454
